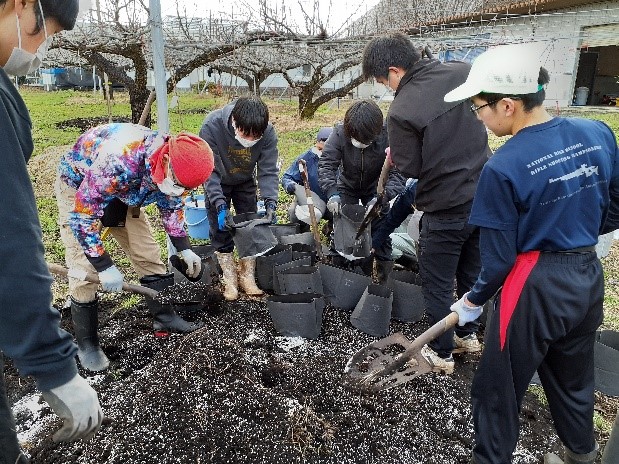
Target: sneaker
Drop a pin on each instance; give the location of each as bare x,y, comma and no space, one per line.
444,365
467,344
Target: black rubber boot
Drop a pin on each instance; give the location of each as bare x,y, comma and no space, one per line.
165,317
383,271
85,325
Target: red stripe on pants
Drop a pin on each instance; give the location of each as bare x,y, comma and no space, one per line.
525,262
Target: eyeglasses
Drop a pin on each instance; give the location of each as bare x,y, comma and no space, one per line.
475,108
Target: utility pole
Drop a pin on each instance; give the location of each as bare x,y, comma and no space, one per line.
163,122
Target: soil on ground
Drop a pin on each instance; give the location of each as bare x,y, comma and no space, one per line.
236,392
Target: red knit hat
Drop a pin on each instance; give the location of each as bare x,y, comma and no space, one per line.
190,156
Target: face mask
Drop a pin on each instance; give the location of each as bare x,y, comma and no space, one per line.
358,144
168,187
243,141
246,143
22,62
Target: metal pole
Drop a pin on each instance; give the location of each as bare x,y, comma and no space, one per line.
163,122
161,92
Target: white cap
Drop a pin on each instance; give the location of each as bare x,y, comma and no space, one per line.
508,70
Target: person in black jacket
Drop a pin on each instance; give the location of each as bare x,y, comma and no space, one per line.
444,146
30,330
357,148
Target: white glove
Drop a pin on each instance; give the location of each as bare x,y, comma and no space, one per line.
334,204
111,280
77,403
466,313
193,261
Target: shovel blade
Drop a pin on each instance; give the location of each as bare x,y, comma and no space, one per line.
385,363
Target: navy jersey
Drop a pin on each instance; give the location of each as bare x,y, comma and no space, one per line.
553,184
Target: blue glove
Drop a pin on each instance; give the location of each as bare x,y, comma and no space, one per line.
290,188
466,313
270,207
222,213
111,280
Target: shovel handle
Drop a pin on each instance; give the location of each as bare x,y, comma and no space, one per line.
310,207
93,278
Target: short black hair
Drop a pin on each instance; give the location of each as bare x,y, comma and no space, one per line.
251,116
391,50
63,11
529,100
363,121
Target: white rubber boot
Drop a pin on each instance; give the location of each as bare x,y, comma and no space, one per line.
226,262
247,277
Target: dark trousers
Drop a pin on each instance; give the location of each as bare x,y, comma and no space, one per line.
448,251
384,252
551,330
9,447
243,197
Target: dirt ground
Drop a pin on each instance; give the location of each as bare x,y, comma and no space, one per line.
236,392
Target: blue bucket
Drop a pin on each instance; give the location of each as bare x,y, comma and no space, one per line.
196,217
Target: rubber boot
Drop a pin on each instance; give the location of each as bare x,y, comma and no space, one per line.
383,271
247,277
85,325
571,457
165,317
611,451
226,262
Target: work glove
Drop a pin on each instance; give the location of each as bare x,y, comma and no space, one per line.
466,313
270,207
111,280
334,204
193,261
222,213
77,404
291,188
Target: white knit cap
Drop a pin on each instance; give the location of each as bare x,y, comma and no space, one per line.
508,70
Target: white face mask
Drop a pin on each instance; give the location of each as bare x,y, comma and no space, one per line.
246,143
358,144
243,141
22,62
169,188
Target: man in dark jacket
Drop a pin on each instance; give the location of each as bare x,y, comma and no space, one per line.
357,148
30,330
445,147
243,142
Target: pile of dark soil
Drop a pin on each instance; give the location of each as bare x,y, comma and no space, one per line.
235,392
83,124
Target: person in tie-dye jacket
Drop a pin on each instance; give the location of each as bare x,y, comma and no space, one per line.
109,174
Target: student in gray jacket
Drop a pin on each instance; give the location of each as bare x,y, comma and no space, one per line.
244,145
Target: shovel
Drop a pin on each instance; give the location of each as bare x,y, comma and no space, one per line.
162,297
310,207
378,206
392,360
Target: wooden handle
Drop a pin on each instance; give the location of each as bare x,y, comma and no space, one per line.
93,278
310,207
384,175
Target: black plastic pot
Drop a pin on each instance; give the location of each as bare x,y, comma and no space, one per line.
281,230
300,279
342,288
408,304
252,235
373,312
345,227
305,238
301,250
279,254
606,362
298,315
306,261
